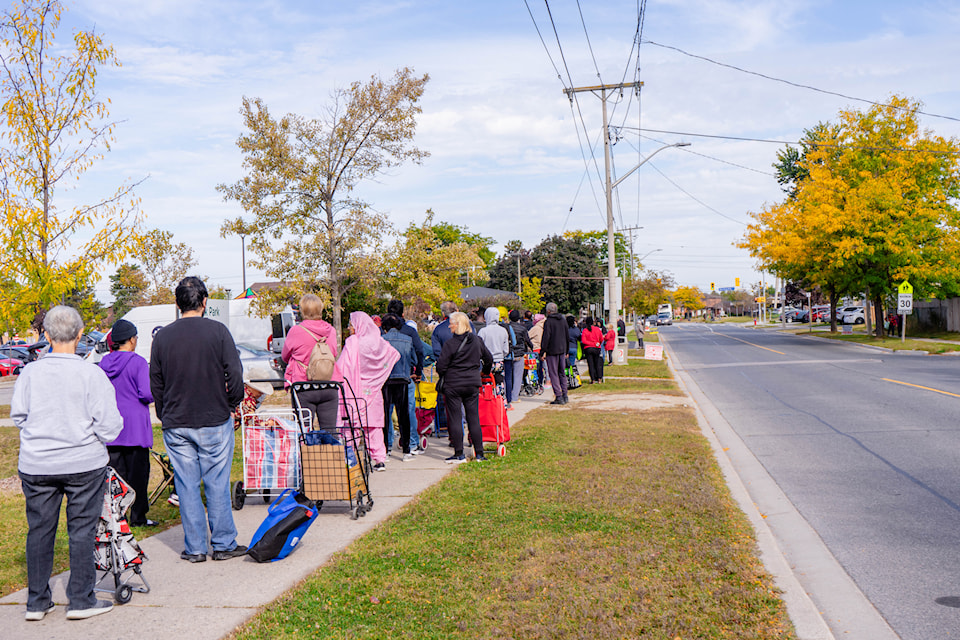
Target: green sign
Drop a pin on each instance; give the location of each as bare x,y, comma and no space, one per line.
905,287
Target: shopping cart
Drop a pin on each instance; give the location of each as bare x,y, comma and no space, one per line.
271,455
426,410
116,552
493,415
532,385
335,462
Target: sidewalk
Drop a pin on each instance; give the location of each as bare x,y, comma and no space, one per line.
210,599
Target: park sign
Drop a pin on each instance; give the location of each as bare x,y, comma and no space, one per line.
905,298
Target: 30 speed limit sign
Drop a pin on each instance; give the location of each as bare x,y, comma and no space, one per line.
905,303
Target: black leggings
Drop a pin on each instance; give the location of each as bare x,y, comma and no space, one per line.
470,397
395,392
133,465
322,403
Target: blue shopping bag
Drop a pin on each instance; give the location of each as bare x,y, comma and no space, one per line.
288,518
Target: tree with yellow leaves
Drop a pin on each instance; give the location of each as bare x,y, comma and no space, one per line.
421,265
54,126
875,207
688,298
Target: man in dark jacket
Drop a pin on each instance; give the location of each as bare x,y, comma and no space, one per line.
396,307
197,381
395,389
553,346
522,347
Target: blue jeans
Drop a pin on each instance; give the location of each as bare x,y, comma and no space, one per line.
572,357
508,379
203,455
43,496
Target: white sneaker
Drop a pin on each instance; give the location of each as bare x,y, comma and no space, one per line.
408,456
34,616
102,606
417,451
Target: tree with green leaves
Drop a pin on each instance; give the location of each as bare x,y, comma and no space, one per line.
571,275
309,229
128,286
54,126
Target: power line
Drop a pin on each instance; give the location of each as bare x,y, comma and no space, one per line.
694,198
796,84
589,46
808,143
703,155
545,48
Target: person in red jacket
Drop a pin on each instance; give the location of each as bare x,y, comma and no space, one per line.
610,342
592,340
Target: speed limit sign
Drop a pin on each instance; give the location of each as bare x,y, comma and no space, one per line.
905,303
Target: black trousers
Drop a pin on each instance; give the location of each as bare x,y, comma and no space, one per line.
469,398
323,405
395,392
133,465
594,363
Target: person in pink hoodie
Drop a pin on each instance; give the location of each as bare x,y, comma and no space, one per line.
364,365
297,346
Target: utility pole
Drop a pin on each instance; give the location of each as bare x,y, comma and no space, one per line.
631,230
611,184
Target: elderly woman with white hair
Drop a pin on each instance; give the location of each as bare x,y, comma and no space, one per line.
66,410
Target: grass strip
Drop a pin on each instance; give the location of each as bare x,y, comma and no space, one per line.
895,343
598,524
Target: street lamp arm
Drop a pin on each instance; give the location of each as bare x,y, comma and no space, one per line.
628,173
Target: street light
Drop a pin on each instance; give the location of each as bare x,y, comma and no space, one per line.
611,245
640,260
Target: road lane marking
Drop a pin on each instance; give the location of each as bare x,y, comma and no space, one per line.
751,344
918,386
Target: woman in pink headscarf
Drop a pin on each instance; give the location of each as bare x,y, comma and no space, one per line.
365,364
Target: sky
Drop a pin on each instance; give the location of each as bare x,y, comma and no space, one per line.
511,157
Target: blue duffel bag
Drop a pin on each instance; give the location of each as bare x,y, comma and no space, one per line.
288,518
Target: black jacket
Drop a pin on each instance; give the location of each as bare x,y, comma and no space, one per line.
195,373
462,370
523,344
555,339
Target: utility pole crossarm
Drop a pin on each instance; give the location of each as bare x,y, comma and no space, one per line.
602,87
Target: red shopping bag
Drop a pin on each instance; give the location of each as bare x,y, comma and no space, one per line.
493,417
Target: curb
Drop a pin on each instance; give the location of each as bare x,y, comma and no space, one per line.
866,346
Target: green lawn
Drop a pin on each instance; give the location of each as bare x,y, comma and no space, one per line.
895,343
598,524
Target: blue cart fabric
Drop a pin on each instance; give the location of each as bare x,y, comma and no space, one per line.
288,519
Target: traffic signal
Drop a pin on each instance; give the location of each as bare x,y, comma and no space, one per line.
736,282
712,286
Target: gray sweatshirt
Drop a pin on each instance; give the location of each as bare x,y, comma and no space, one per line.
66,410
494,336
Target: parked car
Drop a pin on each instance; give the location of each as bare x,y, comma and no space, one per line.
851,315
10,366
88,342
796,315
17,353
250,356
821,313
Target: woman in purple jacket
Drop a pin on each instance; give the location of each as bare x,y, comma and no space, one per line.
130,452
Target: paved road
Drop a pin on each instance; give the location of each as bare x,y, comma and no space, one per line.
864,443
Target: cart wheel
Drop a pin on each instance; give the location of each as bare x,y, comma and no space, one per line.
355,512
267,498
423,442
123,594
239,497
501,449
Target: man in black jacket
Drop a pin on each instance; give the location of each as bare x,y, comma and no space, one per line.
396,307
553,346
522,347
197,381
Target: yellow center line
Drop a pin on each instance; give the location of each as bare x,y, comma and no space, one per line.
917,386
753,345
